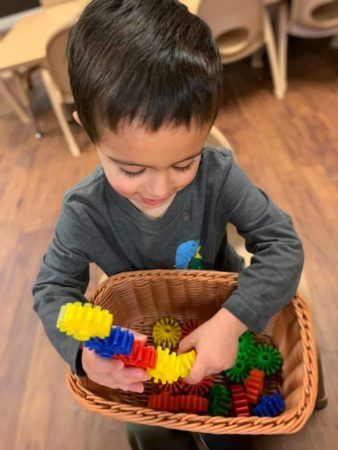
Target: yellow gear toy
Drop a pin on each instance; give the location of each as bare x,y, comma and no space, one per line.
186,362
84,320
167,369
167,332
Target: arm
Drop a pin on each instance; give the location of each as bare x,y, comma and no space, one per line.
263,288
273,276
64,277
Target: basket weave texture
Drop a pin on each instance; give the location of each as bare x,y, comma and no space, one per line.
138,299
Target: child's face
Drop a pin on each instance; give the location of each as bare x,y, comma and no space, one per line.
149,168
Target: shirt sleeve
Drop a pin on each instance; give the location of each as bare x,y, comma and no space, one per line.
63,277
271,280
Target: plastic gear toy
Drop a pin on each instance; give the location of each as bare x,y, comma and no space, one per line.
83,321
239,401
167,369
170,388
189,326
201,388
267,358
143,356
219,400
178,403
254,385
186,361
240,370
119,342
246,343
167,332
269,406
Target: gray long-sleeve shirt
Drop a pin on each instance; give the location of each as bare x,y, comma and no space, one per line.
98,225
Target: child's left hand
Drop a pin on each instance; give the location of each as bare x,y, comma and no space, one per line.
216,344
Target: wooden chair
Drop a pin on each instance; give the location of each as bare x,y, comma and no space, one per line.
56,80
47,3
307,19
241,27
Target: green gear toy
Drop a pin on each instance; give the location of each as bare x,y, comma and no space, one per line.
240,369
219,400
267,358
246,344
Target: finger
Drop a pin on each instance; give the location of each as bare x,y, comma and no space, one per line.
133,387
138,336
104,365
130,375
186,344
197,372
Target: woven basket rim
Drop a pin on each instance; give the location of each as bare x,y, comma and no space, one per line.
288,422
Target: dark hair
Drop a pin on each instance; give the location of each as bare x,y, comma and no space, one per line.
149,60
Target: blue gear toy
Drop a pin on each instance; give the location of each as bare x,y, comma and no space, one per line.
269,406
119,342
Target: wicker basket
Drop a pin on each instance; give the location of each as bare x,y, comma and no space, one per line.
138,298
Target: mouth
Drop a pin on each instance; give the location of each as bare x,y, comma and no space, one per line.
154,202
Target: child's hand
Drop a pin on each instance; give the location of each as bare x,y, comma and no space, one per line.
112,372
216,343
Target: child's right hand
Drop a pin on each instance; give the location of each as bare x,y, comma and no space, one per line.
112,372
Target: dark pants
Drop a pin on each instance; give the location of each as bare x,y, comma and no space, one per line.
145,437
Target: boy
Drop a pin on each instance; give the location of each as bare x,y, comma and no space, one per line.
147,81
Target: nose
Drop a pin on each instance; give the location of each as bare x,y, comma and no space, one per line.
160,185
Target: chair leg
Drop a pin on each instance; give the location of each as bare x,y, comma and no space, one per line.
13,102
21,82
272,54
321,400
282,32
56,101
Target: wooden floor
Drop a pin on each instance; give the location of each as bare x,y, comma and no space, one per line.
289,148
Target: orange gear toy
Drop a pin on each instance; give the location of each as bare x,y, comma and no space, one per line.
143,356
239,400
254,385
167,332
83,321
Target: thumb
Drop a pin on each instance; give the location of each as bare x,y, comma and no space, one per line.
186,344
197,372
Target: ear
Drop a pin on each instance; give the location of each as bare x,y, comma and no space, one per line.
76,117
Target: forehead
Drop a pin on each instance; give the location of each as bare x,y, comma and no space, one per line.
166,146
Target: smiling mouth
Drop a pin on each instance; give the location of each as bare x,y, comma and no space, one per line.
154,202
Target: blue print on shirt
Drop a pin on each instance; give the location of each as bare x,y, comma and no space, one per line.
188,255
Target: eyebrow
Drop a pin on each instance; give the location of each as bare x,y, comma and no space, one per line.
126,163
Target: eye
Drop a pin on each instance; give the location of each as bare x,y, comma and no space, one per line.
183,169
131,174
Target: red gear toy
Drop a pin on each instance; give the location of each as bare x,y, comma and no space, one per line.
189,326
170,388
143,356
178,403
239,400
201,388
